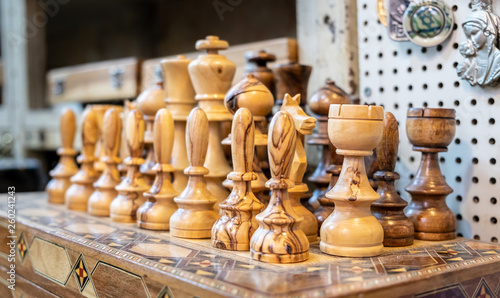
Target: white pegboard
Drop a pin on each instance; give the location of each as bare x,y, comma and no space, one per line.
399,75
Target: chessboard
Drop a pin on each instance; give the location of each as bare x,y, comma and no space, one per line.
67,253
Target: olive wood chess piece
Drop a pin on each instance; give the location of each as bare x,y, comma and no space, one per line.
237,223
257,66
155,213
105,191
180,101
304,125
351,230
130,190
78,194
319,103
279,238
430,131
196,215
66,167
149,102
99,111
252,94
398,229
212,75
291,78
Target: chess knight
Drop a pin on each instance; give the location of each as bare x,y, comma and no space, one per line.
481,50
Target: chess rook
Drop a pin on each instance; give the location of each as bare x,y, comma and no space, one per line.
66,167
105,191
195,216
398,229
279,238
155,213
430,131
237,223
130,190
291,78
351,230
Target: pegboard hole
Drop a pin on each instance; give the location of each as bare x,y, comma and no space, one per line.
493,201
474,141
395,71
410,105
439,66
458,160
381,89
424,86
395,53
493,161
493,220
459,235
458,121
458,179
424,68
396,88
455,46
493,180
425,104
380,55
408,51
475,180
410,69
440,103
424,50
459,216
494,239
474,121
455,64
410,87
457,141
442,159
475,199
476,237
412,176
492,141
454,8
491,101
491,121
473,102
475,218
475,160
380,72
412,159
459,198
440,85
456,103
396,106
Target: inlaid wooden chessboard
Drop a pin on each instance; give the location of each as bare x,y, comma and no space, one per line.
66,253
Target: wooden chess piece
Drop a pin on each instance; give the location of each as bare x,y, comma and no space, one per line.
66,167
327,205
130,190
430,131
105,191
195,216
237,223
99,111
124,153
252,94
351,230
319,103
212,75
304,125
180,101
279,238
155,213
291,78
398,229
78,194
149,102
257,66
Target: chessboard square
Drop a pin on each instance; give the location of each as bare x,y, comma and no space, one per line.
85,228
160,250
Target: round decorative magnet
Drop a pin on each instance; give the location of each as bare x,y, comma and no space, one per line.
427,23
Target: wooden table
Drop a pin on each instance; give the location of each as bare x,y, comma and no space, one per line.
66,253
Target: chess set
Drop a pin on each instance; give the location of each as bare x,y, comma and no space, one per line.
201,165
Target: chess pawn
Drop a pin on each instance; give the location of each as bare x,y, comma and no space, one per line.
81,188
398,229
291,78
130,190
252,94
279,238
319,103
430,131
66,167
99,111
124,153
155,213
149,102
212,75
237,223
180,101
105,192
196,215
351,230
257,66
304,125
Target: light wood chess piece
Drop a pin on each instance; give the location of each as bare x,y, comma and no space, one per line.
78,194
304,125
398,229
99,111
252,94
279,238
130,190
66,167
149,102
196,215
105,192
155,213
351,230
180,101
237,223
430,131
212,75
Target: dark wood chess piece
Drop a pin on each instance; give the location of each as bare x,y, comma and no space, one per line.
398,229
430,131
291,78
257,66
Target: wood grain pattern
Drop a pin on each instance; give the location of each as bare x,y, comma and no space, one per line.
237,223
100,111
430,131
279,238
351,230
257,61
291,78
155,213
130,190
66,167
398,229
195,216
100,201
81,188
304,125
